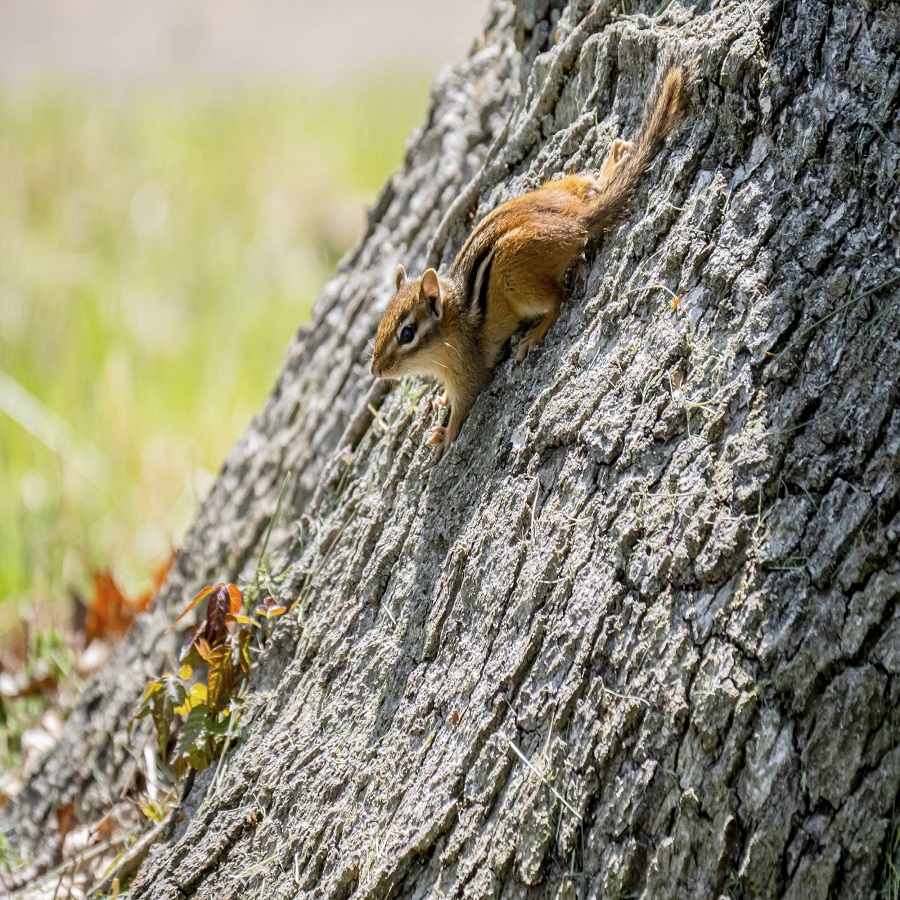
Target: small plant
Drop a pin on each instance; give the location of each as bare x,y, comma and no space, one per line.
35,677
890,888
6,863
201,709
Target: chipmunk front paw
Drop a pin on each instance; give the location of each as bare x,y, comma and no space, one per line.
439,441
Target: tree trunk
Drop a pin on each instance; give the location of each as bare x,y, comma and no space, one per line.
638,634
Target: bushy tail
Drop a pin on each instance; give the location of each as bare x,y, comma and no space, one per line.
660,116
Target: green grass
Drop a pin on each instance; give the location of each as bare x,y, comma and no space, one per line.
157,252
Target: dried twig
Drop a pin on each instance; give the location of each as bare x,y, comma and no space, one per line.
128,865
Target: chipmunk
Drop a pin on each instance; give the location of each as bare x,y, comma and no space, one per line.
512,269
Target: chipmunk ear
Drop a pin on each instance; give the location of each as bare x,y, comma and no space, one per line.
401,276
431,291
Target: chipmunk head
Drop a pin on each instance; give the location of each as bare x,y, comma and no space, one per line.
409,328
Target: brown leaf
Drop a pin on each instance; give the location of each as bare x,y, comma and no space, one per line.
203,594
218,608
143,601
222,601
38,685
203,647
110,613
65,819
270,608
237,599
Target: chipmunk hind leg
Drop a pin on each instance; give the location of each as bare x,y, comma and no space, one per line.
551,303
613,160
535,335
585,188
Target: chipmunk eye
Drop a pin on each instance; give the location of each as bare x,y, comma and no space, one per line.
406,336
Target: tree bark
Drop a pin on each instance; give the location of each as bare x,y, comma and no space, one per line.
638,634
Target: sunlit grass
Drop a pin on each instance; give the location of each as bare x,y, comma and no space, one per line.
156,255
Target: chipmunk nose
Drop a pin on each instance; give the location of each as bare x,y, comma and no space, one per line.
376,371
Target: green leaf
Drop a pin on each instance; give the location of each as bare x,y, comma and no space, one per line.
196,696
161,698
220,678
241,643
145,707
194,730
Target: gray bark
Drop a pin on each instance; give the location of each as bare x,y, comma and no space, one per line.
661,563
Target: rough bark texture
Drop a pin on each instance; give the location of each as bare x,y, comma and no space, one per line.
661,563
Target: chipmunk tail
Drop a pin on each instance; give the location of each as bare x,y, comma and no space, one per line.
661,114
663,110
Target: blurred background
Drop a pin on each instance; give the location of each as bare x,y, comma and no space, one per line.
177,180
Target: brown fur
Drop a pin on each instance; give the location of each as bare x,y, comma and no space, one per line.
512,269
